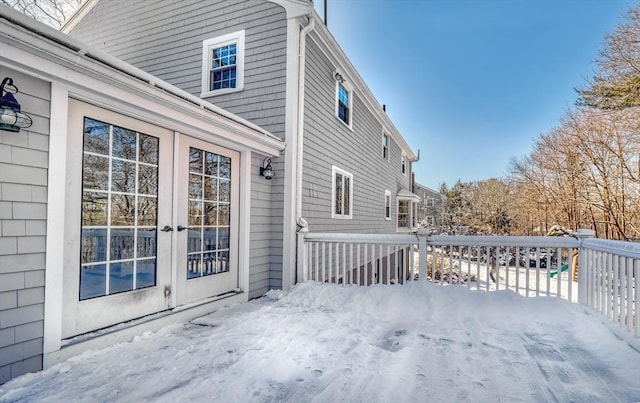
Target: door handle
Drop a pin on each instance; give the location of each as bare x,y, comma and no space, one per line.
166,228
181,228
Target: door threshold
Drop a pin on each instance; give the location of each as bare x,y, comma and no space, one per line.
126,331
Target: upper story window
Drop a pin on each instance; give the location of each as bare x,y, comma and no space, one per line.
403,164
223,64
430,202
344,103
342,194
385,146
387,205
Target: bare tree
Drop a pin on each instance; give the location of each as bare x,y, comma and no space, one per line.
51,12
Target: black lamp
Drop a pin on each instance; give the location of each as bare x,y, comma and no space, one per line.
11,119
266,170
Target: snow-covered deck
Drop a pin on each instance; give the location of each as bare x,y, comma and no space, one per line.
417,342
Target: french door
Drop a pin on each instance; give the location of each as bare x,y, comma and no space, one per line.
157,215
207,217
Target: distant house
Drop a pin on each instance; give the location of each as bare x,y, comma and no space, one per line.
142,196
430,208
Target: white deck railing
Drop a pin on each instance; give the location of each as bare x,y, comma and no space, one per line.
607,272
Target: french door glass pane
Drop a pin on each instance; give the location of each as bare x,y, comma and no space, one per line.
209,213
119,210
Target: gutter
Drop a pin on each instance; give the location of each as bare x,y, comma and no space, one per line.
300,129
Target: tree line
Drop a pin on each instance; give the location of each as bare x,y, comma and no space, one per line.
584,173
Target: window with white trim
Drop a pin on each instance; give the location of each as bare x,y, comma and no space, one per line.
403,164
387,205
404,214
342,193
344,103
385,146
430,202
223,64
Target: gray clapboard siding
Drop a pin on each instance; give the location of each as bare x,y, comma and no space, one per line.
23,213
327,142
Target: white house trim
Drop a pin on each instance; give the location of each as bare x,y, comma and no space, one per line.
207,46
56,218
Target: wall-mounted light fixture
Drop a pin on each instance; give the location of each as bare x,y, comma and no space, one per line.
266,170
339,78
11,119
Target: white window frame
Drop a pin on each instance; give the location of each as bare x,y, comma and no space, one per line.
403,164
207,46
430,202
408,228
349,90
334,171
387,205
385,146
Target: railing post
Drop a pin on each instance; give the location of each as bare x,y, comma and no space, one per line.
422,253
302,265
583,271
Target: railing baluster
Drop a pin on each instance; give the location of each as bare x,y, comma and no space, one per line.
366,264
358,246
517,262
324,267
629,293
352,273
379,266
636,308
614,288
622,302
344,263
558,272
388,268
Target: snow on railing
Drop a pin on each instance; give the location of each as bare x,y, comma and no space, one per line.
531,266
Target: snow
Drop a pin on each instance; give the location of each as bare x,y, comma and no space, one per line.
325,343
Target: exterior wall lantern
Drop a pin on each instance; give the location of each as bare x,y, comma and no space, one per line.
11,119
266,170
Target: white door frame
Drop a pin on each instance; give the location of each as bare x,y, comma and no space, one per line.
59,211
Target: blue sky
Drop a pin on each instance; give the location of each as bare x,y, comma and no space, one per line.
472,83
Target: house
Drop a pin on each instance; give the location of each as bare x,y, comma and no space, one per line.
430,208
346,167
172,158
112,155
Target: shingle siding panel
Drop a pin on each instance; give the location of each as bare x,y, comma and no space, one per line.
34,278
33,211
13,228
21,263
21,315
32,364
7,337
8,300
16,192
31,296
31,244
10,173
